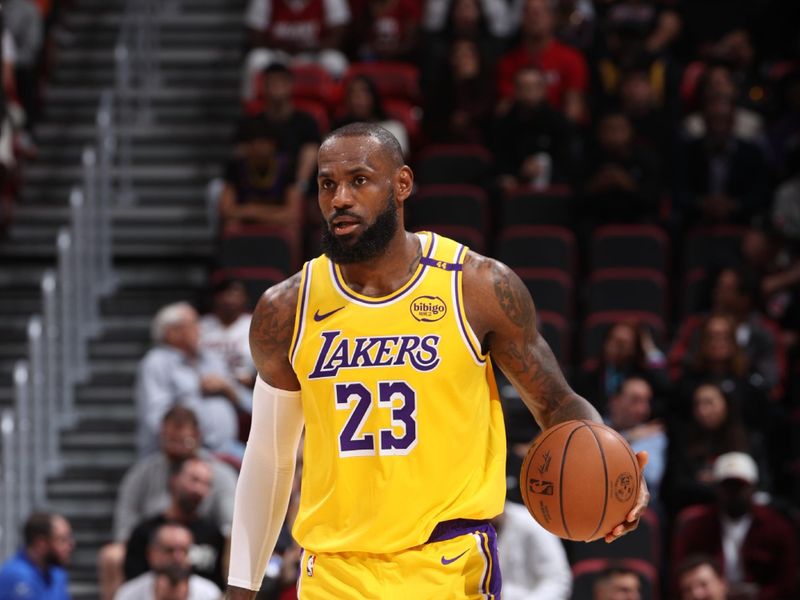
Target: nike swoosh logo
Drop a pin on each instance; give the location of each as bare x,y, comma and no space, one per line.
447,561
322,317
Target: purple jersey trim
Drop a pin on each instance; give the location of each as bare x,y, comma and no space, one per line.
439,264
424,262
461,319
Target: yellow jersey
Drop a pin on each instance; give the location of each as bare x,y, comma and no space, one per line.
403,423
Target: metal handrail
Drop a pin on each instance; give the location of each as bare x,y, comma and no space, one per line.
44,384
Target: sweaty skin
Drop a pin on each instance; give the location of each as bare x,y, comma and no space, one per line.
357,176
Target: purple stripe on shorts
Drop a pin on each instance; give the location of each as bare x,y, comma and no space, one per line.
447,530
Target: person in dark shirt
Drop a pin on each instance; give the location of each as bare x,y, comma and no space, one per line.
190,484
532,143
258,183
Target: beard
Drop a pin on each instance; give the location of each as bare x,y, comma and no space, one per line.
372,242
53,559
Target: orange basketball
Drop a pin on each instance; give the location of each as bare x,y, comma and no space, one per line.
580,479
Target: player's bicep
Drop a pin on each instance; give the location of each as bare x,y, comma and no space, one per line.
271,331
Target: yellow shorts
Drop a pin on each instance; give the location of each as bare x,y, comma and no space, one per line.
459,562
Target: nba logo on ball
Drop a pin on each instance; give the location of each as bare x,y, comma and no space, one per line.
623,487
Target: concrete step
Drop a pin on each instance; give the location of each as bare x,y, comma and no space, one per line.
121,215
145,195
80,488
189,276
209,56
203,133
33,232
104,441
173,19
202,93
168,112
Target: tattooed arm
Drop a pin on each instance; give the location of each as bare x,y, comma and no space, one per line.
501,312
271,334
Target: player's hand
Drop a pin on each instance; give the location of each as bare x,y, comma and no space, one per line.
632,520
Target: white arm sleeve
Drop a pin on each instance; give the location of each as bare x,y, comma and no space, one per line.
265,482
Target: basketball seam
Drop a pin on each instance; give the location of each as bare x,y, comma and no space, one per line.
605,479
535,449
561,480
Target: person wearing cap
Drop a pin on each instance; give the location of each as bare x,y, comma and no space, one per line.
755,544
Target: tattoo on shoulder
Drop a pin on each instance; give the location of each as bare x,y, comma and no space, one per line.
513,297
273,320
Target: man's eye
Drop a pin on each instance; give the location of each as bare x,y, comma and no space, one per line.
327,184
360,180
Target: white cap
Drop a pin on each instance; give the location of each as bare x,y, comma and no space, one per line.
735,465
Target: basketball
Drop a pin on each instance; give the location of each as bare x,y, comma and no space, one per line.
580,479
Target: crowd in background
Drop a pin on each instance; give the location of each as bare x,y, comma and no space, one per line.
677,113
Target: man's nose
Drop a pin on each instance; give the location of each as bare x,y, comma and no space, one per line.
343,197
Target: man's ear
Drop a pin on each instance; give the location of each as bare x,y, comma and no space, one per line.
403,183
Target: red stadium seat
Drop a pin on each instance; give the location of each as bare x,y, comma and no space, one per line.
393,79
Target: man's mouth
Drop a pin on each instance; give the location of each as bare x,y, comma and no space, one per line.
344,225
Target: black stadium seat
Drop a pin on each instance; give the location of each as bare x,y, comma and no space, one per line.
557,333
713,247
463,234
453,163
549,246
551,289
256,280
630,246
449,204
642,290
260,246
643,543
527,206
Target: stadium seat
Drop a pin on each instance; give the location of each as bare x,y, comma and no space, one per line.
549,246
406,113
596,326
393,79
713,247
527,206
642,543
551,289
453,163
630,246
449,205
585,572
260,246
556,331
311,82
695,292
631,289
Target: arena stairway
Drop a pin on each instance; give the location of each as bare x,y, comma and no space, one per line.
162,241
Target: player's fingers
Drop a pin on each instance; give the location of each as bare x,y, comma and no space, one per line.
643,458
641,503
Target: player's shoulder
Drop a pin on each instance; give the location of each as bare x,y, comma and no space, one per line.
483,274
281,296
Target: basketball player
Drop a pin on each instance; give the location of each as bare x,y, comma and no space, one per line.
383,348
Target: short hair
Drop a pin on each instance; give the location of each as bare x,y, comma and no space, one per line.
277,68
693,561
612,571
168,316
176,468
153,538
387,141
181,415
39,524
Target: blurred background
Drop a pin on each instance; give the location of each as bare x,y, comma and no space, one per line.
636,162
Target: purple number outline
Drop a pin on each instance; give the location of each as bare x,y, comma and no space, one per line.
404,416
349,444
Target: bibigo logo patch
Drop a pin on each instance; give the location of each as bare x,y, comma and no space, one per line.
428,308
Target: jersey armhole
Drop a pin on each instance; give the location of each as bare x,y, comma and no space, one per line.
467,333
300,312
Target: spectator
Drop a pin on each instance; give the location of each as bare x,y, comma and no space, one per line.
386,29
532,560
755,544
177,372
532,143
363,102
144,492
298,134
259,182
170,576
190,484
226,329
564,67
715,427
655,22
623,179
295,32
648,113
717,82
460,99
719,358
484,22
576,21
617,583
628,349
723,179
24,22
37,570
735,293
699,577
630,412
